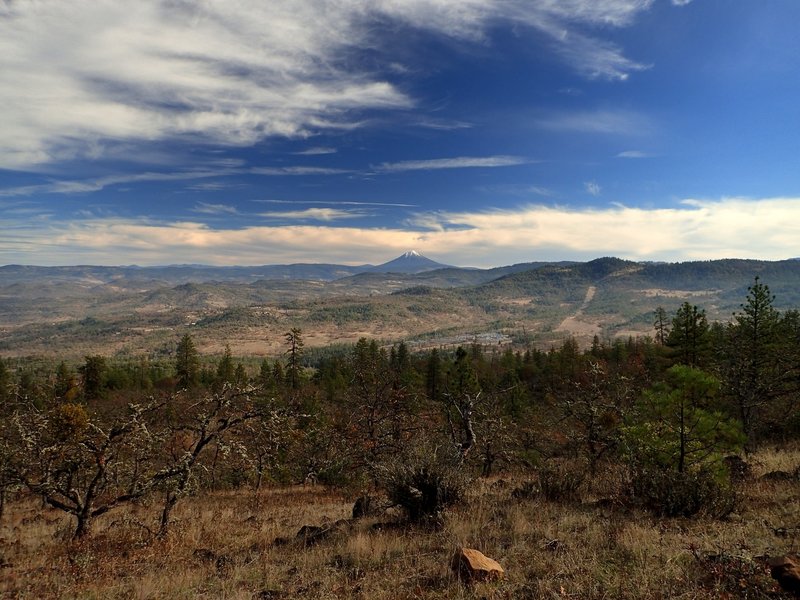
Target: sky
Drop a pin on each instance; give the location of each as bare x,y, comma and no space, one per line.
477,132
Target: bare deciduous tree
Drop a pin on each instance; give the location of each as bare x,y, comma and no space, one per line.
79,465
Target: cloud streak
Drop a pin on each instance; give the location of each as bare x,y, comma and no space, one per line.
84,186
460,162
314,214
694,230
79,77
617,122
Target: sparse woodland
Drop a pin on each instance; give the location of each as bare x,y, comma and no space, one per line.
654,467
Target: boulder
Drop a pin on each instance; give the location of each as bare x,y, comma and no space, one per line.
737,467
779,476
472,565
786,572
310,535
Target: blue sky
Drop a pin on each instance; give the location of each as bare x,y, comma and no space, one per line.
478,132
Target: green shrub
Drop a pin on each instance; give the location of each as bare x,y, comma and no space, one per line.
424,485
670,493
561,482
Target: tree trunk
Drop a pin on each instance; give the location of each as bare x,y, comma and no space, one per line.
169,504
84,526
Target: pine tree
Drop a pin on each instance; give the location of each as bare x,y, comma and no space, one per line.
93,372
684,426
226,372
661,326
689,336
240,376
63,382
294,353
433,376
187,363
756,374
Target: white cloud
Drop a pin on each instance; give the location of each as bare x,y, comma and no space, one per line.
73,186
521,190
215,209
443,124
592,187
215,186
316,150
315,214
601,121
633,154
78,77
697,230
297,171
338,203
460,162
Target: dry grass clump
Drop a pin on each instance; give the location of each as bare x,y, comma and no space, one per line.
222,547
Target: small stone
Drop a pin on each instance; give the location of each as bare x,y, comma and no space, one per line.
473,565
785,571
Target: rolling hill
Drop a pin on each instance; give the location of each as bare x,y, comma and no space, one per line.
77,310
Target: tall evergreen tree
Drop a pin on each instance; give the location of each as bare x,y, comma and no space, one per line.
294,353
661,325
226,372
63,382
433,376
688,338
187,363
265,375
93,373
755,370
240,375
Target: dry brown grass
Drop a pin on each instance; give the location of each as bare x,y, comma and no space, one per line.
222,547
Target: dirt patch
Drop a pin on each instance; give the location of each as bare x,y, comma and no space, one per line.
653,292
576,325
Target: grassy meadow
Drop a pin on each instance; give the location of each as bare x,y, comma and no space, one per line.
223,545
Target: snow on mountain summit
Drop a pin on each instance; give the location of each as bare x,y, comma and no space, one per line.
409,262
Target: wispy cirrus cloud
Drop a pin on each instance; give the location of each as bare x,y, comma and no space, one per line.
315,214
84,186
215,209
316,151
634,154
68,186
443,124
459,162
607,121
298,171
78,77
340,203
592,187
692,230
215,186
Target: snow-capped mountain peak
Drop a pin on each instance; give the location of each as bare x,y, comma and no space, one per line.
409,262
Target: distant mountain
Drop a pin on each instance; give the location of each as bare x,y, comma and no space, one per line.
410,262
173,274
621,285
